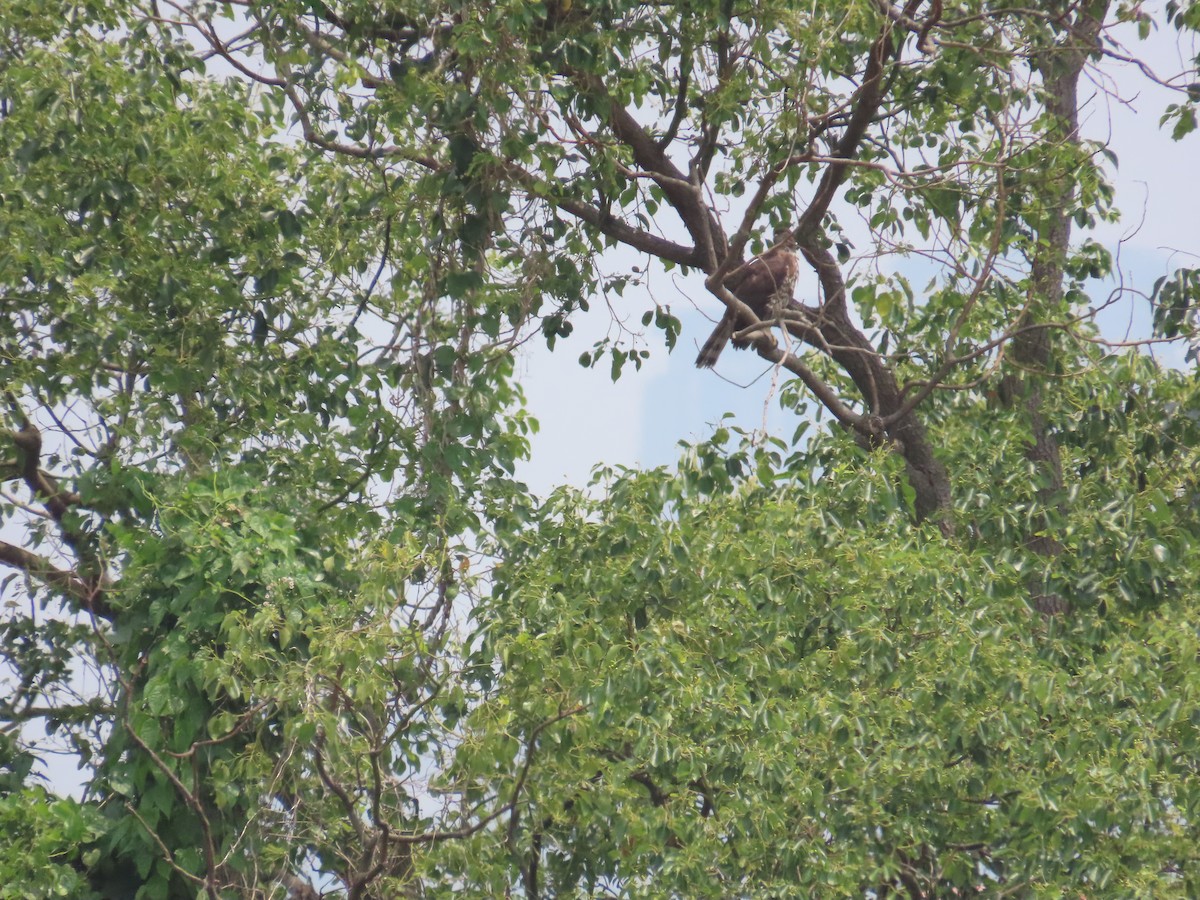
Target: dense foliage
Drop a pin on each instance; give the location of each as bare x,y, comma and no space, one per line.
270,577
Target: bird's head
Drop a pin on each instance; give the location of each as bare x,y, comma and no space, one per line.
784,237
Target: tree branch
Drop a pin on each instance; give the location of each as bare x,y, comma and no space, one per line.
768,348
41,484
681,192
41,570
866,105
832,332
608,224
435,837
58,504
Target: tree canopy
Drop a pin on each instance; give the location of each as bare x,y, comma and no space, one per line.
271,576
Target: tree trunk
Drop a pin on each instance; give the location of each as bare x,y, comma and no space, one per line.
1060,68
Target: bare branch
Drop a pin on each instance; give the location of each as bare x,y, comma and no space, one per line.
767,347
866,104
683,193
437,837
606,222
41,570
210,852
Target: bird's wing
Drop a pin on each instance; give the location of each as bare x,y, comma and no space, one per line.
762,278
734,281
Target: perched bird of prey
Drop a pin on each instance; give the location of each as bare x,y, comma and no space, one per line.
765,284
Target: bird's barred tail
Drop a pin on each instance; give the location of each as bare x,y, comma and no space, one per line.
711,351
